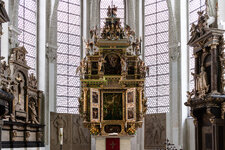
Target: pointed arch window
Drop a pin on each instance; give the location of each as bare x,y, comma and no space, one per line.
68,56
27,24
157,55
103,10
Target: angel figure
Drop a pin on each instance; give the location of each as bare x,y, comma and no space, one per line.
87,43
194,32
190,94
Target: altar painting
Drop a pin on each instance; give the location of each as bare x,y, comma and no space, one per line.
112,106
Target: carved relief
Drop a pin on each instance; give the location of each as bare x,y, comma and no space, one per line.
74,134
27,135
155,131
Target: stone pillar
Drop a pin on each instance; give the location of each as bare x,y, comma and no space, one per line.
130,13
178,36
14,32
95,13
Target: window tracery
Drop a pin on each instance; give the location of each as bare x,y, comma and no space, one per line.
27,24
157,55
68,56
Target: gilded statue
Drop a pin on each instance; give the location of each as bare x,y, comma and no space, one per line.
111,12
100,64
201,81
123,64
33,113
82,68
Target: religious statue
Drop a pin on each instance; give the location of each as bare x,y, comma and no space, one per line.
100,64
33,113
82,68
123,64
189,95
211,11
20,89
111,12
143,69
32,81
201,82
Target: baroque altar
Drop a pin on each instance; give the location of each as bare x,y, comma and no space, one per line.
207,99
112,77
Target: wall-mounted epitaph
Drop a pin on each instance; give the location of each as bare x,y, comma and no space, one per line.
207,99
75,136
23,125
155,131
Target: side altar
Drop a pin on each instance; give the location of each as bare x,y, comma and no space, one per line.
112,78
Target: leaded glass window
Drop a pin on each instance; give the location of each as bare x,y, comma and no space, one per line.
157,55
103,10
27,22
194,7
68,56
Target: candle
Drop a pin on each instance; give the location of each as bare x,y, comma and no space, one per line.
61,136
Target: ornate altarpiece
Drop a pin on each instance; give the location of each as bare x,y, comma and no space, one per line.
112,77
207,99
22,122
5,96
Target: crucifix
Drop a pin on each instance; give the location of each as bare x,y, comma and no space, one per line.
112,145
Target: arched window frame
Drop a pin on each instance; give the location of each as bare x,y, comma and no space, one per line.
68,84
157,84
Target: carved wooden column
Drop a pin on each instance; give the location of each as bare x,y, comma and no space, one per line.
214,67
140,102
85,90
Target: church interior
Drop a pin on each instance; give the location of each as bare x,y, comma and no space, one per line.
112,75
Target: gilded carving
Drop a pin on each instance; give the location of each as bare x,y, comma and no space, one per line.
110,103
27,135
